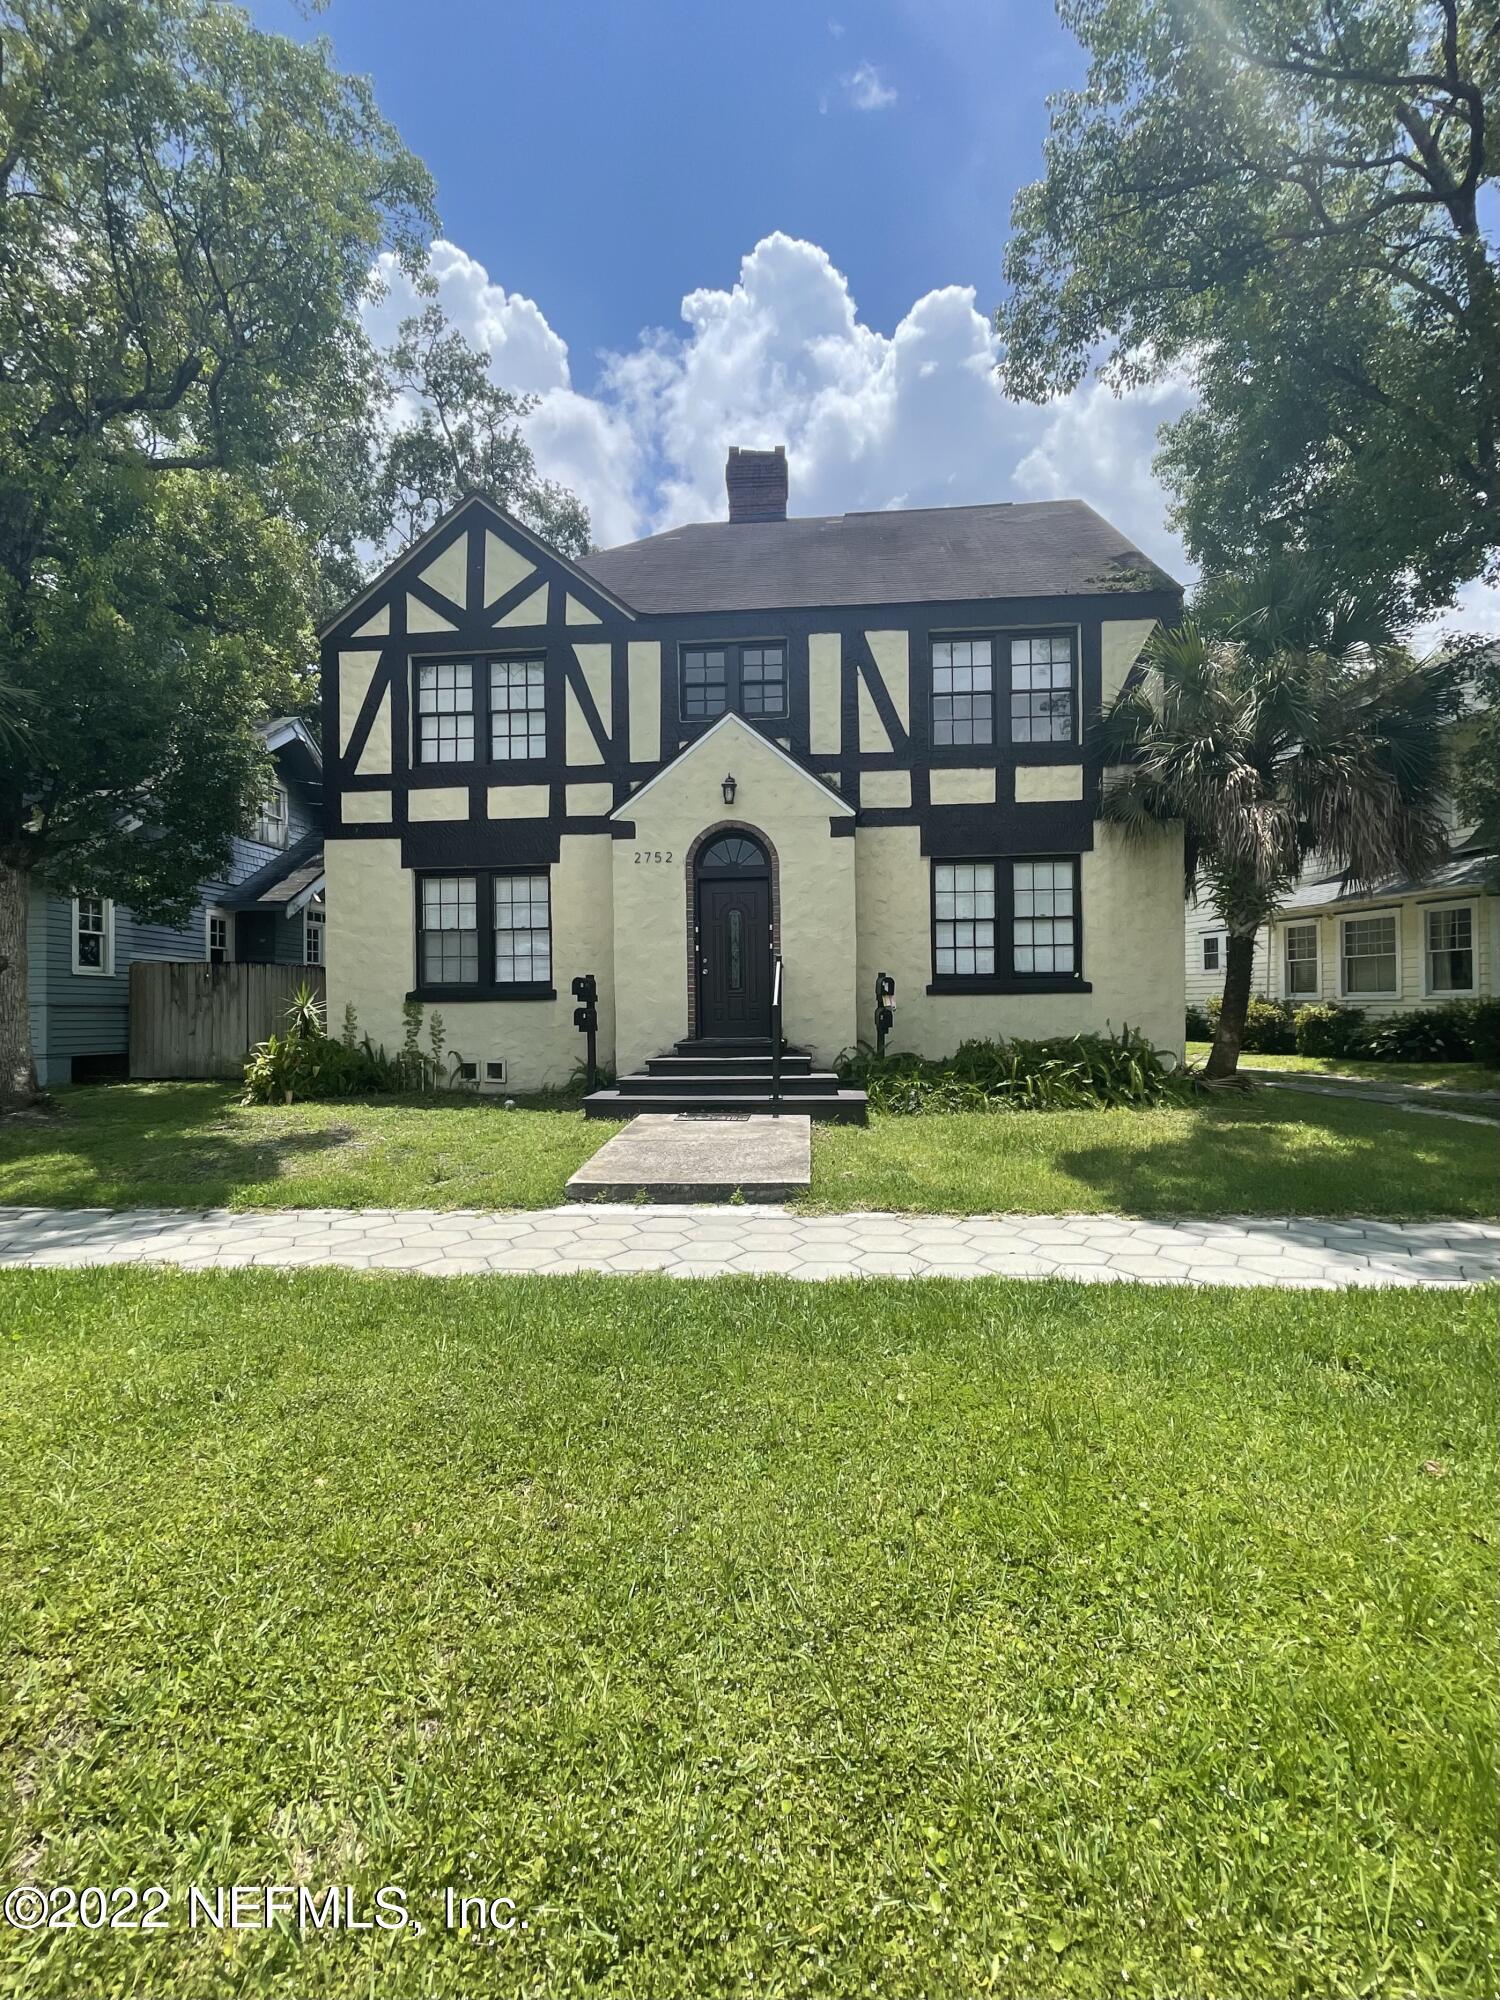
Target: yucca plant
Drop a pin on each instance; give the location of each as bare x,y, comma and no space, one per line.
1285,718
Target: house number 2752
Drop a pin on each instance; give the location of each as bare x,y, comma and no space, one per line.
651,854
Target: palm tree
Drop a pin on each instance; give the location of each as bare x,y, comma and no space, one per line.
1285,718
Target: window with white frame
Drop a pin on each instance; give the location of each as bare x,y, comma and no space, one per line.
1450,949
450,930
445,712
93,935
1369,956
963,691
964,919
518,708
216,937
1299,948
523,931
271,821
1210,954
1044,926
312,935
1041,689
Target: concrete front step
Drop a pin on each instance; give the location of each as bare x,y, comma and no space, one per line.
842,1107
715,1083
792,1064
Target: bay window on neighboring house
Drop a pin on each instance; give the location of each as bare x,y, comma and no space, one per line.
93,936
1368,950
1299,961
485,936
1011,925
1448,950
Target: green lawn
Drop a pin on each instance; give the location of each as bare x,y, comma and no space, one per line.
754,1638
1435,1075
195,1146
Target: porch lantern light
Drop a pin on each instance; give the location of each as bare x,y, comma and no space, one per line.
729,789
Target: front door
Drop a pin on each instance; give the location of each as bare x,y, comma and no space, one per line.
734,956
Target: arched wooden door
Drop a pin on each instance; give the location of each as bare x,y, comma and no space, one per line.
732,897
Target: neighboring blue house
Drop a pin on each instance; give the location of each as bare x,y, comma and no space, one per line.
269,909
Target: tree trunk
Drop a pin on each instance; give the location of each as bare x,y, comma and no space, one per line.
17,1068
1239,964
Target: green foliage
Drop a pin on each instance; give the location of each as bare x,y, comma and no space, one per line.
305,1062
1268,1029
1478,788
465,436
1330,1031
189,212
1280,201
1096,1072
1460,1030
1197,1026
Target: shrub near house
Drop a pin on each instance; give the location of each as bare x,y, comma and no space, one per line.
1459,1031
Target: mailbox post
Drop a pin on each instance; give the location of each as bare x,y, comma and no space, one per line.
586,1021
885,1009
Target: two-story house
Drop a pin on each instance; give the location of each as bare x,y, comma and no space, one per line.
854,745
268,908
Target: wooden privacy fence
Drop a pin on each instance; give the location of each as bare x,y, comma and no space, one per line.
200,1020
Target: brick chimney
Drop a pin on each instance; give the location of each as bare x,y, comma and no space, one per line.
756,481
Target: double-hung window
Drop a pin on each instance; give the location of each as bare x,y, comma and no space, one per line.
1010,922
271,821
93,935
1041,689
963,691
1449,935
489,933
1210,954
216,936
1043,704
1369,956
1300,959
1044,927
748,677
445,712
518,709
312,935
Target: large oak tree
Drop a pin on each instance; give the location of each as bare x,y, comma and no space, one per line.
189,213
1287,199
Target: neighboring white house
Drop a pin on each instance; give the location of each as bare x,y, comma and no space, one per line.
1400,945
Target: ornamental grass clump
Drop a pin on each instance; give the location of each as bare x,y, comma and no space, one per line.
1062,1073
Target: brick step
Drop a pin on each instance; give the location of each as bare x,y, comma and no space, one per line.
792,1064
842,1107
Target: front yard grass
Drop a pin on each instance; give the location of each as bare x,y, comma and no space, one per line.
1434,1075
193,1145
1028,1639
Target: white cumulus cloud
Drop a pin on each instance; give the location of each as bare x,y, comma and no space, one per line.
913,418
867,90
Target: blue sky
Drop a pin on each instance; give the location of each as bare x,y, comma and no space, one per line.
685,224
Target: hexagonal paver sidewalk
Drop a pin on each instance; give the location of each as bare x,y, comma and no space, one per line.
770,1241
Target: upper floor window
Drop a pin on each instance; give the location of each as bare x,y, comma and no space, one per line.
1041,689
93,935
748,677
271,820
518,708
445,712
1369,950
963,691
1450,949
1043,705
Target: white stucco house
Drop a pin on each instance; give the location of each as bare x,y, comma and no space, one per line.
806,749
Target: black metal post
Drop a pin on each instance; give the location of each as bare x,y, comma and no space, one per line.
586,1019
776,1038
885,1009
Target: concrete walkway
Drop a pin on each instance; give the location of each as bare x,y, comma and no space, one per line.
710,1242
1470,1107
